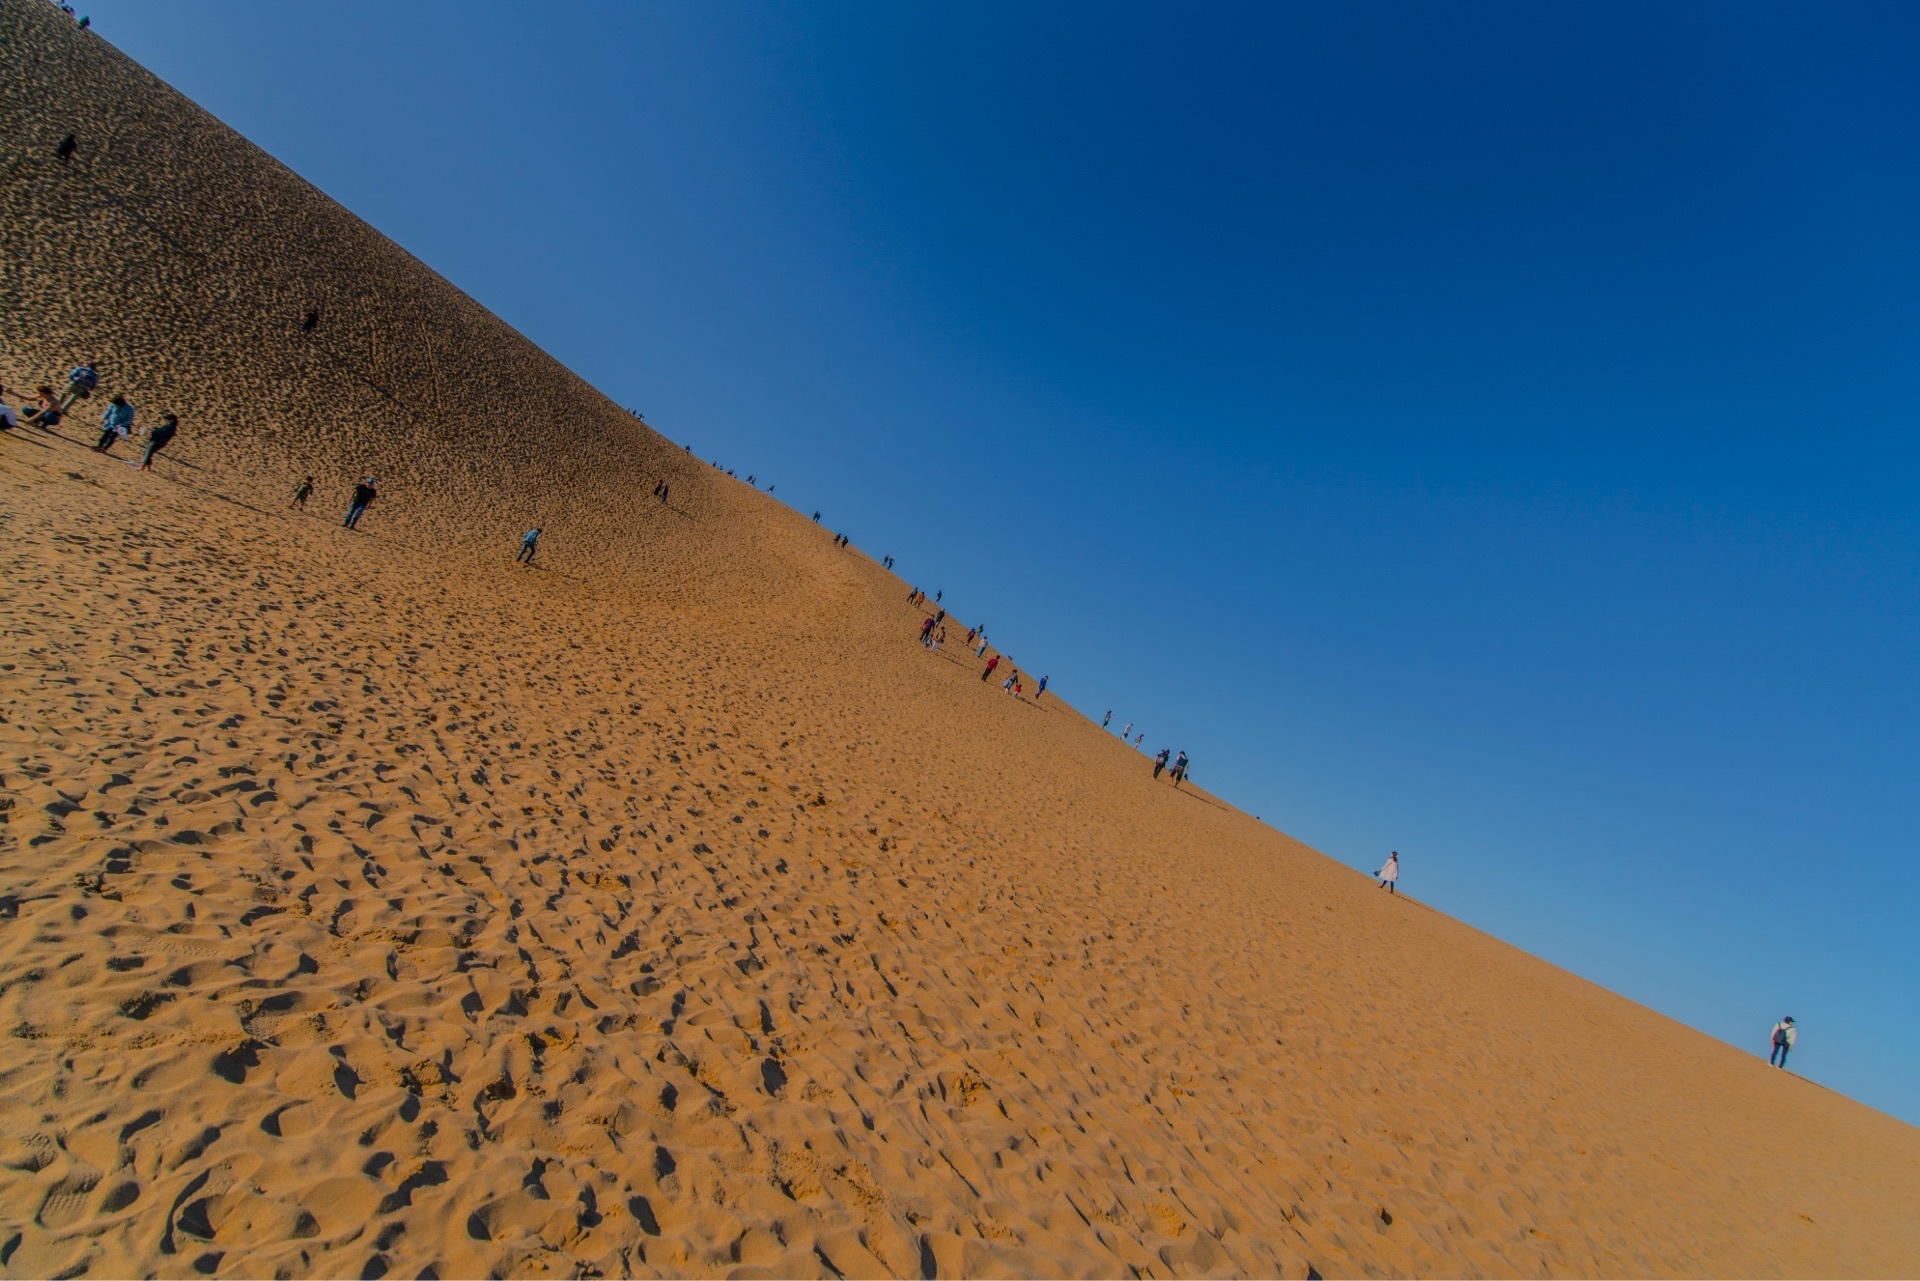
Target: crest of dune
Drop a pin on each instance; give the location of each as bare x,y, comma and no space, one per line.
372,906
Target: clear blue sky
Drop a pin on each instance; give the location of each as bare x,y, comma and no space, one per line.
1481,430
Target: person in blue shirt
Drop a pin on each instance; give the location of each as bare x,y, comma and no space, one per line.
529,543
115,423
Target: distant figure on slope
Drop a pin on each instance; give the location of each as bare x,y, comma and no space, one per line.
1390,874
936,598
67,146
7,419
1128,730
926,629
1784,1035
301,493
310,321
1040,690
816,518
1012,676
363,495
665,490
1179,768
1107,719
45,410
981,652
1160,761
81,380
991,664
1138,738
115,423
158,439
939,639
529,543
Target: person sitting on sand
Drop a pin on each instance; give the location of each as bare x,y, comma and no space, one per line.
115,423
158,439
529,543
81,380
302,492
44,411
1390,874
1784,1035
363,495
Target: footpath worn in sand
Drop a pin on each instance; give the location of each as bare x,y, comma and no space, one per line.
370,906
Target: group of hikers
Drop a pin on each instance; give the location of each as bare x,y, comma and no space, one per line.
46,410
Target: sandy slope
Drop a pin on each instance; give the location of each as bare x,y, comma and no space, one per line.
370,906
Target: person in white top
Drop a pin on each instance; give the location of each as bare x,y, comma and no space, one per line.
1390,873
1784,1035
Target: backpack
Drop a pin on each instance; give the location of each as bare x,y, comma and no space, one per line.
1779,1036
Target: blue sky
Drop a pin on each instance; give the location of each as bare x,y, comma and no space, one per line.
1484,430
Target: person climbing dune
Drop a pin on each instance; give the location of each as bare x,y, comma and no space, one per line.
363,495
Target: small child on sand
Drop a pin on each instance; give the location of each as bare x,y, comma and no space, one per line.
302,492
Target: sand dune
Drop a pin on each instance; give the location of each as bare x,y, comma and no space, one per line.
369,906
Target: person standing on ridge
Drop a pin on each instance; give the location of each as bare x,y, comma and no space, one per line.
1107,719
1040,690
1179,768
363,495
1390,874
115,423
301,493
529,543
1784,1035
1128,730
158,439
1160,761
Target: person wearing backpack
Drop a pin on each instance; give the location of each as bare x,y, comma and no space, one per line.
1784,1035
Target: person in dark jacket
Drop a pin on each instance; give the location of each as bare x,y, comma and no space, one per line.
363,495
159,438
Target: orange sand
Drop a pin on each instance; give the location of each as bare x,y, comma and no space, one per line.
370,906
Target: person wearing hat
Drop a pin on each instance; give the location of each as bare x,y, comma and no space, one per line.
1784,1035
363,495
